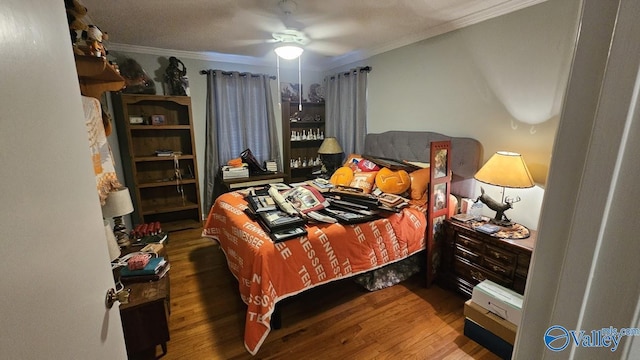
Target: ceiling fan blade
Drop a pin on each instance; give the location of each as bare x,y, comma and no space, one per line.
333,29
327,48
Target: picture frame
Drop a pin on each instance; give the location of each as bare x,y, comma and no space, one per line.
439,197
439,191
157,119
287,234
290,91
440,163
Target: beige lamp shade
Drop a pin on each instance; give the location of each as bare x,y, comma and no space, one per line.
506,169
329,146
118,203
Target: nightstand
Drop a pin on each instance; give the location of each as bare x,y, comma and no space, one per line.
469,257
145,319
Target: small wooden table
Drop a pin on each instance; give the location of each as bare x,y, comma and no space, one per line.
145,319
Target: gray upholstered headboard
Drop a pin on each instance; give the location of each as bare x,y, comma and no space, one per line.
466,153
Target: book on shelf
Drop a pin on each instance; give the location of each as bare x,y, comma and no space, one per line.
271,165
164,152
235,172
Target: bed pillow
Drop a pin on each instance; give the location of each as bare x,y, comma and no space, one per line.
366,165
364,180
352,161
343,176
419,184
393,182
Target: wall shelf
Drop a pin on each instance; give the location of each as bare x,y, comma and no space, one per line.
96,76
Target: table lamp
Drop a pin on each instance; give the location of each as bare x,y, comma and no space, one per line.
330,153
506,169
112,243
118,204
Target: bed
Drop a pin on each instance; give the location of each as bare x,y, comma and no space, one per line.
269,272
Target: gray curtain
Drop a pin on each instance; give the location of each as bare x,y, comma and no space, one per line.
346,108
239,115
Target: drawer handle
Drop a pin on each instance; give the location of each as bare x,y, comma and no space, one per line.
498,255
477,276
466,255
498,269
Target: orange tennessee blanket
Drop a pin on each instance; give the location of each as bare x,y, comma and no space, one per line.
269,272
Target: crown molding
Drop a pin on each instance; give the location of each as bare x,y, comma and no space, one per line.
320,63
503,8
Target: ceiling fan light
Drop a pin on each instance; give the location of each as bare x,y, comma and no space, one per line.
288,51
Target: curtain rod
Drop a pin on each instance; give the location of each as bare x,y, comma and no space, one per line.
347,73
204,72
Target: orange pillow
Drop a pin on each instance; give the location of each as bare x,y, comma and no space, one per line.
342,176
366,165
364,180
393,182
352,161
419,185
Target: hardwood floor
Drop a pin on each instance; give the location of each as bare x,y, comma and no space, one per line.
338,320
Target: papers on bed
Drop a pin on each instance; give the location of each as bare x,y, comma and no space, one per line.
283,211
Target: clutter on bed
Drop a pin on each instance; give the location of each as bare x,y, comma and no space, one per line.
357,232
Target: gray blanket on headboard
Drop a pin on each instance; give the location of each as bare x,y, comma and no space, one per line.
466,154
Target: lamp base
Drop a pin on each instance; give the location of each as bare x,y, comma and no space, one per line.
120,232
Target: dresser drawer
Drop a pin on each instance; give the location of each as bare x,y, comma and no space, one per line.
502,256
469,243
498,268
476,274
468,254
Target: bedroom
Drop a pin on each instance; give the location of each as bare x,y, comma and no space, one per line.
75,212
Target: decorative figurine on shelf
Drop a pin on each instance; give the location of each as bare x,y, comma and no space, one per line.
316,93
136,79
176,77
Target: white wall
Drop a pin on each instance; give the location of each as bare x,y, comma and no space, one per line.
584,273
55,267
490,81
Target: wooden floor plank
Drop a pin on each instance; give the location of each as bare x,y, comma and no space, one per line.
339,320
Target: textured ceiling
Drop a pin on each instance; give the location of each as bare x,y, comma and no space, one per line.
339,31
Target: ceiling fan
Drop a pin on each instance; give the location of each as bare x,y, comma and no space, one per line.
290,40
315,33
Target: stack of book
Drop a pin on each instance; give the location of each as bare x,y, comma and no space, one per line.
155,269
392,202
164,152
271,165
281,226
235,172
260,203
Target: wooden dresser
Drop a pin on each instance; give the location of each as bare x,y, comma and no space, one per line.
470,257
